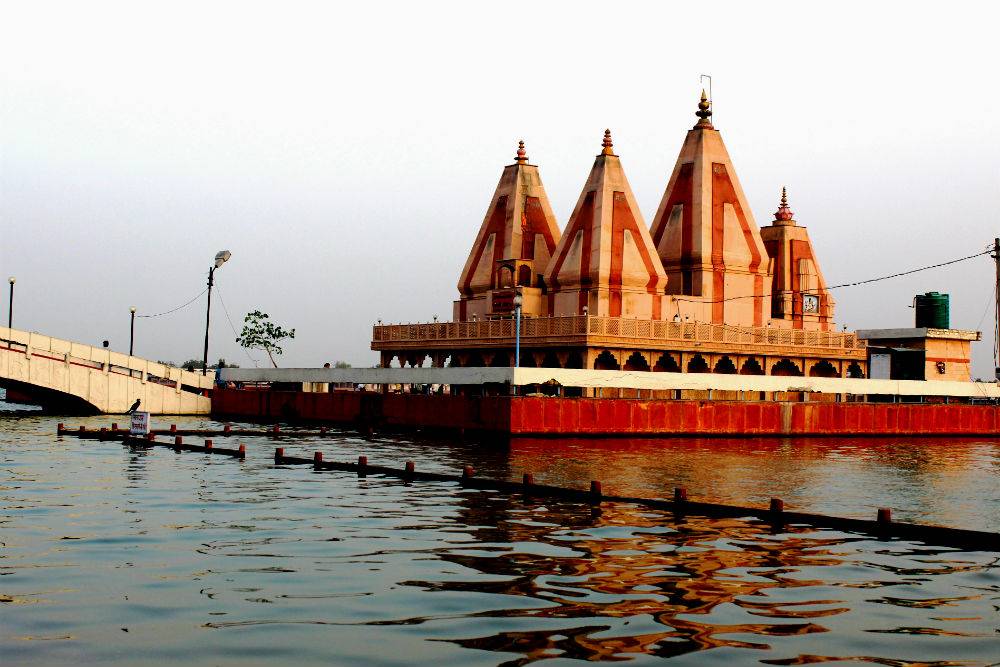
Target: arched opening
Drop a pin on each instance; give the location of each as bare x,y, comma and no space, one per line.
500,360
666,364
725,366
524,276
786,368
551,361
697,364
751,367
454,362
51,401
606,362
575,360
823,369
636,362
505,276
854,370
475,360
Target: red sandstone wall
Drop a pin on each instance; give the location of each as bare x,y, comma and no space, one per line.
336,406
522,415
637,417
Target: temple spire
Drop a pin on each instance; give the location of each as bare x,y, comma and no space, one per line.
784,214
522,156
704,112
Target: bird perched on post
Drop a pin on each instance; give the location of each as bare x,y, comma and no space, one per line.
135,406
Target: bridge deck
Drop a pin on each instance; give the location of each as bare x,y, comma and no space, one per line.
106,381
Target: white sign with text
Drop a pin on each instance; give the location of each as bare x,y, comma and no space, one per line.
140,423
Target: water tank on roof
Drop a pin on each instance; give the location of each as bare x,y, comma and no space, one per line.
932,310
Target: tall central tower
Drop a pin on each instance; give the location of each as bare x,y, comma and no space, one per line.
706,237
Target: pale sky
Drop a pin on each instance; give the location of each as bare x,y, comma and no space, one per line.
346,152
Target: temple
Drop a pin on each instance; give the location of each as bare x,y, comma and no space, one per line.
704,290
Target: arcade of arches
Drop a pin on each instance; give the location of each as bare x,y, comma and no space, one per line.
656,361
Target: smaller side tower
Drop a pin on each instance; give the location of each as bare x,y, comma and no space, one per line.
512,249
606,263
799,297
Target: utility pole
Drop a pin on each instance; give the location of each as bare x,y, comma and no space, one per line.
208,318
221,258
131,331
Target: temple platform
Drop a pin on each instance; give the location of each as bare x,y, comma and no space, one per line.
480,400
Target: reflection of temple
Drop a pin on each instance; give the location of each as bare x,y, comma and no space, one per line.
704,290
624,563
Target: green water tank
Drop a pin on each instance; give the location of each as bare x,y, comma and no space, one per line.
932,310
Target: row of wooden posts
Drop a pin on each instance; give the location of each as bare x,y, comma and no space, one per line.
775,514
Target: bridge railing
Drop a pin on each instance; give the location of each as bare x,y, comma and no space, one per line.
80,354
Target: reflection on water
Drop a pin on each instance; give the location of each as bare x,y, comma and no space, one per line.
112,555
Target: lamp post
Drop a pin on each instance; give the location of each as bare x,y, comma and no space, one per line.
10,309
221,258
131,331
518,300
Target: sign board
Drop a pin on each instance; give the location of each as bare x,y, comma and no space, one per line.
140,423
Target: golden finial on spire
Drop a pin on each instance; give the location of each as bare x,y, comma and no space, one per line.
522,156
607,143
704,111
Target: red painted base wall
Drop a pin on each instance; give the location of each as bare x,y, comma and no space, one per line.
522,415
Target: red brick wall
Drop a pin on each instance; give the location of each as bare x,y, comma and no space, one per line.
522,415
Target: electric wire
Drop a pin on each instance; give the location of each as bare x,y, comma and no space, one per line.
174,310
851,284
233,326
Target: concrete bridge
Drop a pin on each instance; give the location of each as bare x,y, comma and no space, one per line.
74,377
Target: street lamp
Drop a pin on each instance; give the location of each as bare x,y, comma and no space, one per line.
518,300
131,331
10,309
221,258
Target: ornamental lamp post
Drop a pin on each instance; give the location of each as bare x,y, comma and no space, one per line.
221,258
10,309
131,331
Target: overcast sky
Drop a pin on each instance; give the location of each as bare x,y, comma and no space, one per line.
346,152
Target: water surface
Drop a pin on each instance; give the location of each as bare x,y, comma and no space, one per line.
114,555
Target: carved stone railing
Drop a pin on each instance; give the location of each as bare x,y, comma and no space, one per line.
593,326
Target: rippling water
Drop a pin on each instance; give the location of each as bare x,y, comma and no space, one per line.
112,555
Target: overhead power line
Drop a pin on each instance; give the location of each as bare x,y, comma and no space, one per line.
852,284
174,310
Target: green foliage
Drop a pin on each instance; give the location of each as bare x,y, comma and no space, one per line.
195,364
260,333
341,364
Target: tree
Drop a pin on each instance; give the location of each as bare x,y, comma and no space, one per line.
341,364
260,333
195,364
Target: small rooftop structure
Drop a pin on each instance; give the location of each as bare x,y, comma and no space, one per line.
920,353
